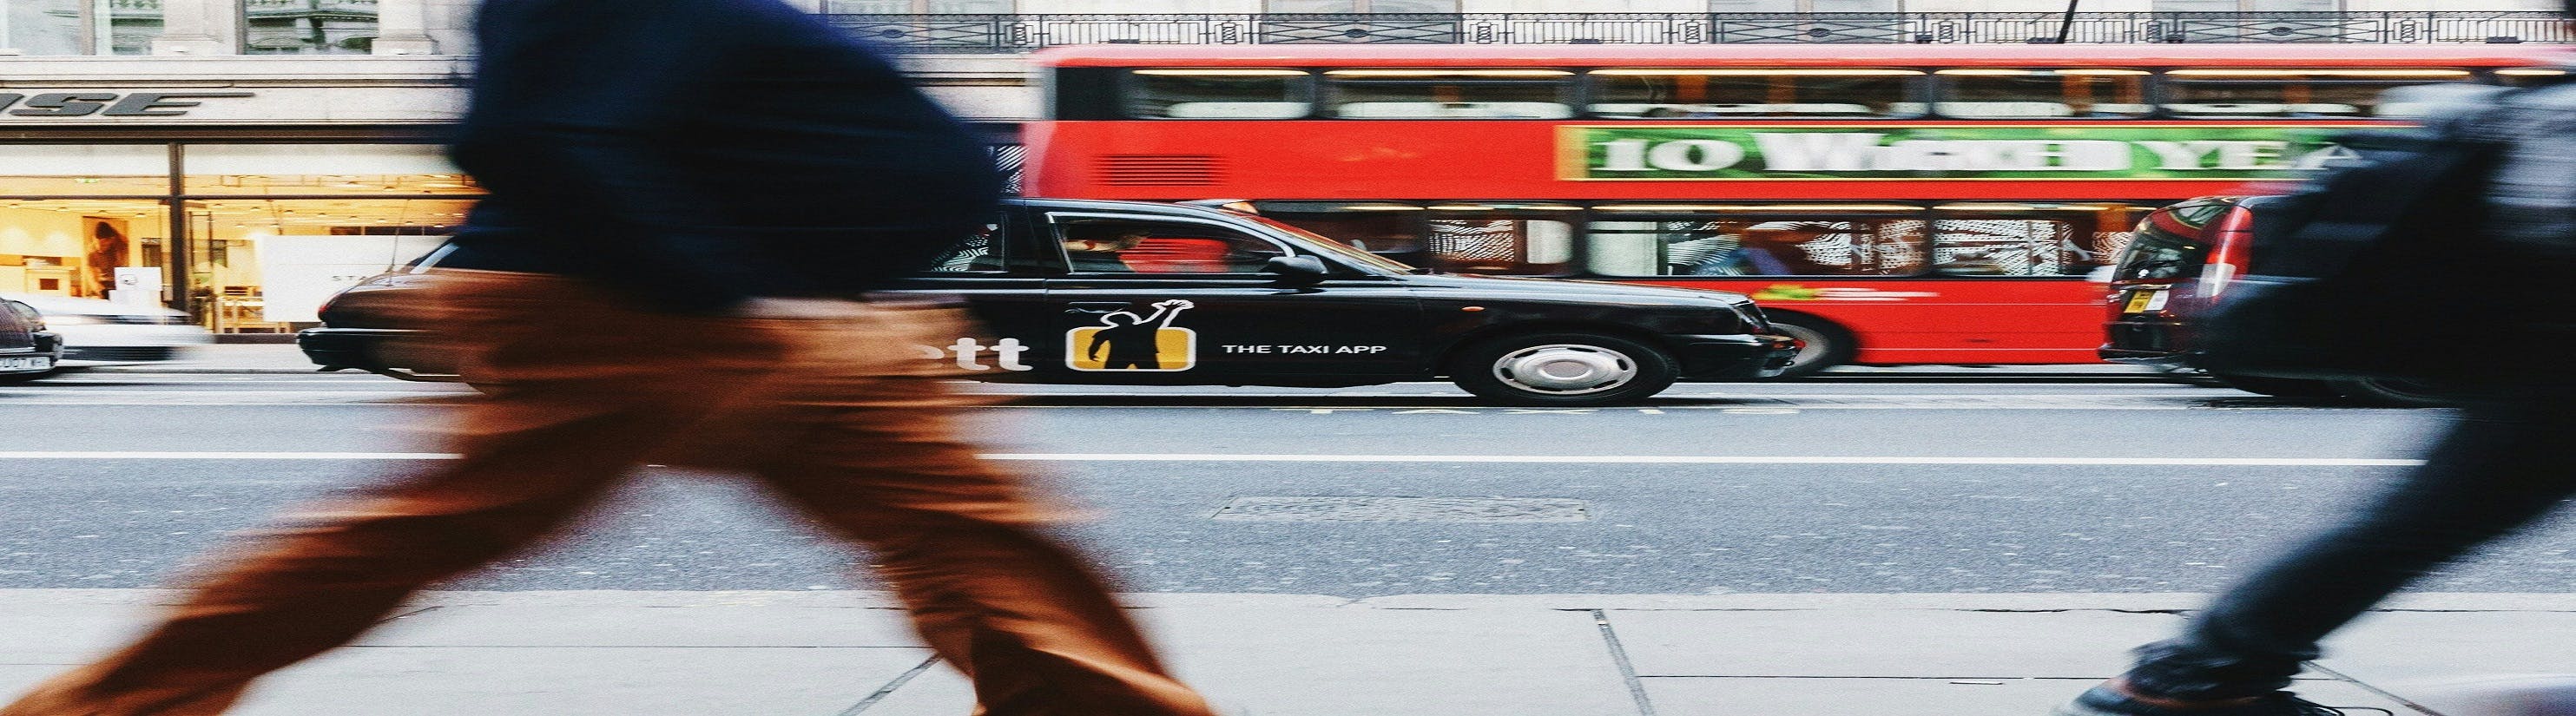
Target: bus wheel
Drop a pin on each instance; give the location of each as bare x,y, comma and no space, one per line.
2281,387
1564,369
1826,345
2388,392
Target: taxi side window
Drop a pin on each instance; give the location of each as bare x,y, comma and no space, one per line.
980,252
1144,247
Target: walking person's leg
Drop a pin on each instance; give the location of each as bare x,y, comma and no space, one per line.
549,441
879,455
2498,469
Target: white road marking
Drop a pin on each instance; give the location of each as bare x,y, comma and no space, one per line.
1532,459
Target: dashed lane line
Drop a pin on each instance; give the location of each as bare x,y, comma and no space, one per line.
1461,459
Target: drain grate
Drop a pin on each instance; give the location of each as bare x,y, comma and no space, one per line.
1405,509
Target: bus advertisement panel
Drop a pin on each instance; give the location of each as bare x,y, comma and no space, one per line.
1888,204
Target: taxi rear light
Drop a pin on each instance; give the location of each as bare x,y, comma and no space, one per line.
2231,252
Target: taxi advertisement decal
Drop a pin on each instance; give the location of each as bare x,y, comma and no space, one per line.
1125,341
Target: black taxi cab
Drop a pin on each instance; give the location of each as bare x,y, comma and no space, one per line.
1130,293
27,350
2180,261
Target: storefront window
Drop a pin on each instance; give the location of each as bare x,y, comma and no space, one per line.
73,247
322,169
268,265
84,170
79,27
309,27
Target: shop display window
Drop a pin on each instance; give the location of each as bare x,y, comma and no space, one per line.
322,169
268,265
84,169
73,247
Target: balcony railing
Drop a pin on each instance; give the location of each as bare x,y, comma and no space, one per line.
1022,33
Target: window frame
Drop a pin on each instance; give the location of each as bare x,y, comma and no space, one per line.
1130,86
1052,248
1912,89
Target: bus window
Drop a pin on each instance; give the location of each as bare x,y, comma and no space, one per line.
1650,240
1448,94
2031,94
1727,93
2243,93
2029,239
1503,239
1225,93
1384,228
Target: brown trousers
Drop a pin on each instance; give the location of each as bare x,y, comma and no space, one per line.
841,416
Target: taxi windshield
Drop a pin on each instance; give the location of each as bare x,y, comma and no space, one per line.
1323,244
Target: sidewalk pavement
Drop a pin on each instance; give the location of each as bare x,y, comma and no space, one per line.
842,653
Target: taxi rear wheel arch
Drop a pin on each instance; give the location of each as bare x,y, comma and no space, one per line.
1604,368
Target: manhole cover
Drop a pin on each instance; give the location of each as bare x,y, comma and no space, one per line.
1405,509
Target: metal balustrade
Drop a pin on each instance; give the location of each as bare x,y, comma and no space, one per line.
920,33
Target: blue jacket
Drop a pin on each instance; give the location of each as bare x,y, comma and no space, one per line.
700,152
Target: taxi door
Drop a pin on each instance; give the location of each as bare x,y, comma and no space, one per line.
1144,298
998,277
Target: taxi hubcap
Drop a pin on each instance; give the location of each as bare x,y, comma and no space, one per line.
1565,369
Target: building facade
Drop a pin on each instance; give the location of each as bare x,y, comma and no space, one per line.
257,155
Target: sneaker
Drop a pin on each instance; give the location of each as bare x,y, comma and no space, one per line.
2102,701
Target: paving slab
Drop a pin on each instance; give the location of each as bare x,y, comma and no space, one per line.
1346,662
66,633
446,681
712,626
1698,696
1886,643
2426,656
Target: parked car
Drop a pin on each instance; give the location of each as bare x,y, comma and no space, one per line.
1129,293
27,350
99,332
2176,268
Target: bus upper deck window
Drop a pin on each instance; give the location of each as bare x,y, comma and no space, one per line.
1716,93
1220,93
2248,93
2527,76
1449,94
2042,93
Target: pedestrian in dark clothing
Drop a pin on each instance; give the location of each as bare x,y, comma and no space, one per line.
2501,466
686,197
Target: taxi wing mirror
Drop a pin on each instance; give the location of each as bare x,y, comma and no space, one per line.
1298,269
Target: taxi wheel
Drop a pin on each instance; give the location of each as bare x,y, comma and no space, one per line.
2281,387
1564,369
29,377
1825,345
2392,393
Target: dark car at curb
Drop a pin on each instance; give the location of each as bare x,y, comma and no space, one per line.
2177,267
27,350
1129,293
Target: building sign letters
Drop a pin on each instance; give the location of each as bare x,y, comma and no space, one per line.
107,104
1700,153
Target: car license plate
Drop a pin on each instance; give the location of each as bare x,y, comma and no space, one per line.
35,363
2147,300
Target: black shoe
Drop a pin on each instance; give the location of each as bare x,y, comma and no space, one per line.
2102,701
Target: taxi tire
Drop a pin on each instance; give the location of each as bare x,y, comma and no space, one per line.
13,378
2281,387
1828,345
2390,393
1473,369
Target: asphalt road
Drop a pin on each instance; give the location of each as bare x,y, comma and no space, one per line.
1808,487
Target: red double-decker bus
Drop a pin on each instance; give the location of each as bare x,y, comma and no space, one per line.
1889,204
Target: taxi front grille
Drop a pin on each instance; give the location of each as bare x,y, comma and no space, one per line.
1161,170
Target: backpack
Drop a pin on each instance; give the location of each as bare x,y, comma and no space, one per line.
2372,269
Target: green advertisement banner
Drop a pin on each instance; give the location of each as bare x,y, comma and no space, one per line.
1670,153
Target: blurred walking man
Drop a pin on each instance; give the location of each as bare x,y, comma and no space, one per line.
2502,466
683,194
